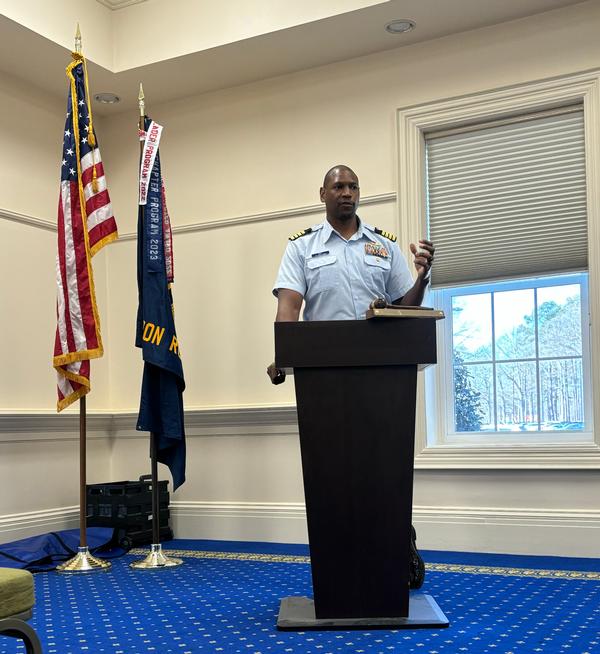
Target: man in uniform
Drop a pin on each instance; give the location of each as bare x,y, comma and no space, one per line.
338,267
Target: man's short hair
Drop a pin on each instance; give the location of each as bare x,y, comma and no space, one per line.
337,167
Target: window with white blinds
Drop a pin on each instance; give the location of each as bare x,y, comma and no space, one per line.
507,198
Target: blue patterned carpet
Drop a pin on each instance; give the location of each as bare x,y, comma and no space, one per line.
225,598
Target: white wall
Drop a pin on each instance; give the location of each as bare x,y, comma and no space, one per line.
263,148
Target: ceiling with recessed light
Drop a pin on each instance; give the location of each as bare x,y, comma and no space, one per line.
182,47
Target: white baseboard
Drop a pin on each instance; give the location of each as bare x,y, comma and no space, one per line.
547,532
33,523
269,522
509,531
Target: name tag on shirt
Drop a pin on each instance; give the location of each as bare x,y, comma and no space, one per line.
376,250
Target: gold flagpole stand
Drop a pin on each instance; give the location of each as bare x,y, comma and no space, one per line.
83,561
156,558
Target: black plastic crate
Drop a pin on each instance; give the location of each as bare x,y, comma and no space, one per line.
129,538
127,506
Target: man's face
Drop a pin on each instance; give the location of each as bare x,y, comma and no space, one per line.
341,194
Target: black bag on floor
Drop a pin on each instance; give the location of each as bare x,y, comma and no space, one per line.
416,565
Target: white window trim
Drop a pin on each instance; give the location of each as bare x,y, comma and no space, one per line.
412,123
445,412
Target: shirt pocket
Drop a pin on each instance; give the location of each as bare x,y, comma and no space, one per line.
322,273
377,268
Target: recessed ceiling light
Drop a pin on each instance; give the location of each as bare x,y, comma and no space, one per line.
399,26
107,98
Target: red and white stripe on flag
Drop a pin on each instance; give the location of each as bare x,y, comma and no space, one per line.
85,224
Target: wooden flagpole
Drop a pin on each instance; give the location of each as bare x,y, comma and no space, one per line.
82,473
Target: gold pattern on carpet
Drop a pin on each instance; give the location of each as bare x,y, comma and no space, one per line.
437,567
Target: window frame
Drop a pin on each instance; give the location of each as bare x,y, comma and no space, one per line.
446,434
412,124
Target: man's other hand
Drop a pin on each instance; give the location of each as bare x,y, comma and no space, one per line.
276,375
423,257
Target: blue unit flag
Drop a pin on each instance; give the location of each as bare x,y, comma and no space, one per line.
161,404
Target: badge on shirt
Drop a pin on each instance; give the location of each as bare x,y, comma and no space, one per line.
376,249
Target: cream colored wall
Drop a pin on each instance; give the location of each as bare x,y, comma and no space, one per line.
57,21
54,481
118,40
244,151
189,26
229,468
38,471
28,310
224,312
263,148
30,147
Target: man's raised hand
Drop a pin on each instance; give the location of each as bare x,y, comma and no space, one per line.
423,257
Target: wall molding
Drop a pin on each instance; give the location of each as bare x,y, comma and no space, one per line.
294,212
282,214
550,532
556,532
294,510
26,426
25,219
22,525
221,421
265,420
576,456
233,417
113,5
41,425
422,513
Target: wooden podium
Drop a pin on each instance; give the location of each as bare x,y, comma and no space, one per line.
355,392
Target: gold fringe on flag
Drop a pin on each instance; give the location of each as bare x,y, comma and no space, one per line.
77,56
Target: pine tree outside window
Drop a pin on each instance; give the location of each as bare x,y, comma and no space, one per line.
518,358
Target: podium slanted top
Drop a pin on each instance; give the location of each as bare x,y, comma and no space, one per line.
356,343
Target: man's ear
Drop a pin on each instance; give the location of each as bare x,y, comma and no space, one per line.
322,194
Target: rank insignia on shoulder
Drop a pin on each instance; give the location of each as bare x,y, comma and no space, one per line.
388,235
304,232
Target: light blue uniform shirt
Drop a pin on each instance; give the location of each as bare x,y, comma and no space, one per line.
339,278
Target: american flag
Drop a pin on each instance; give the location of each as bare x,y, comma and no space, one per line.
85,225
